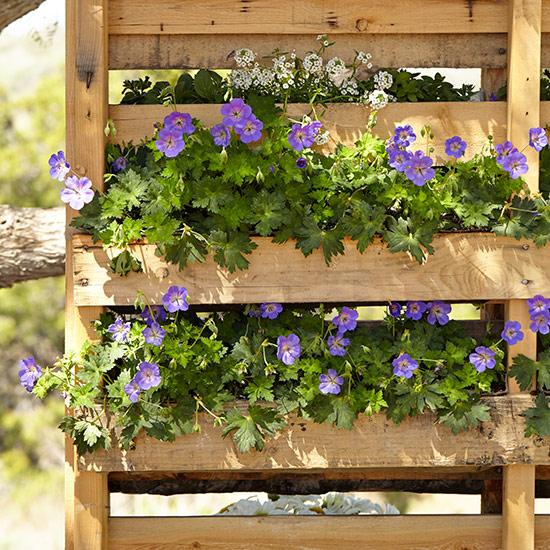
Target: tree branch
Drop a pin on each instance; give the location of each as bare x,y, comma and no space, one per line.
32,243
11,10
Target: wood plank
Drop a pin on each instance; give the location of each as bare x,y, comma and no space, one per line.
473,121
452,532
374,442
191,51
306,17
465,266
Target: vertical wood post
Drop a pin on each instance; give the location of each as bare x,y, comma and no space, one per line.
86,494
523,110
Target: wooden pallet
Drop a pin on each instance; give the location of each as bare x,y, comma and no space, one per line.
156,34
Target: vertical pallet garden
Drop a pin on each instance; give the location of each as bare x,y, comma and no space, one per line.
189,34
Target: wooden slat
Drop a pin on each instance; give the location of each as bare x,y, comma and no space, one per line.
473,121
464,267
307,533
374,442
177,51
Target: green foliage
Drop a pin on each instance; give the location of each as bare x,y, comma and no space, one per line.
208,361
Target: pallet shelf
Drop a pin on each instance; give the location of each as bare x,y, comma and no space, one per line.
161,34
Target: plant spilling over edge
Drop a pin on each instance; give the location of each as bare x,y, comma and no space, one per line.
158,370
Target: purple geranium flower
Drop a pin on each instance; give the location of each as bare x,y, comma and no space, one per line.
337,344
119,164
148,375
77,192
254,311
415,310
399,159
503,150
455,147
346,319
404,365
270,310
59,167
538,139
301,163
119,330
29,373
235,111
538,304
438,312
221,135
288,349
153,314
419,168
170,142
391,145
330,383
512,333
175,299
302,137
515,164
180,122
404,135
132,390
249,130
540,322
394,309
483,358
154,334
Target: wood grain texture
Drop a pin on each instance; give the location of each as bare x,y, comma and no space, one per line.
374,442
451,532
473,121
467,266
191,51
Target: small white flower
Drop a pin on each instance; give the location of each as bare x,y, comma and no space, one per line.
377,99
244,57
313,63
383,80
322,137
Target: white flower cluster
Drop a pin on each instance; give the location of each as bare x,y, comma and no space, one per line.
244,57
383,80
329,504
364,58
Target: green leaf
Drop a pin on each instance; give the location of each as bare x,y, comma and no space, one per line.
208,85
524,370
342,414
537,418
402,236
229,249
311,236
466,416
125,263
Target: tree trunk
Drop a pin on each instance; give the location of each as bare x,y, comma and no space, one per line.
10,10
32,243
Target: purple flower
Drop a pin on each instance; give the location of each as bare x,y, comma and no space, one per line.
346,319
235,111
438,312
29,373
170,142
455,147
404,365
538,139
148,375
330,383
132,390
254,311
179,122
77,192
419,168
404,135
503,150
175,299
152,314
288,348
221,135
119,164
415,310
119,330
512,333
270,310
249,130
399,159
391,145
337,344
59,167
394,309
483,358
538,304
540,322
302,137
154,334
515,164
301,163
